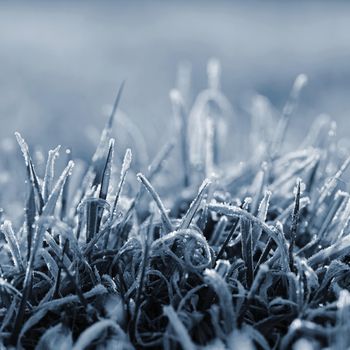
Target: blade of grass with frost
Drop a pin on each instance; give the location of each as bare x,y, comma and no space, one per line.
52,200
153,169
98,157
257,188
165,218
12,242
32,177
56,248
50,262
331,183
191,212
247,249
50,172
59,270
180,330
125,168
64,199
334,208
30,213
304,202
262,214
227,240
181,115
93,175
288,110
96,212
295,222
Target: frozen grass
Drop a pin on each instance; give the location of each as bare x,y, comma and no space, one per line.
199,254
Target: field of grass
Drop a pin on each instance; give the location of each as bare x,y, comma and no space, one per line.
195,250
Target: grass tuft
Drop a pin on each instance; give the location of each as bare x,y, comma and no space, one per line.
201,254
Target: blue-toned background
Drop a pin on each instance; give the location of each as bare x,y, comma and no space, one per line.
62,62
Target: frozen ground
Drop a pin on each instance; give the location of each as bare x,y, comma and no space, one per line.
62,62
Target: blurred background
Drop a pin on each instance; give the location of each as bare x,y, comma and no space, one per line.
62,62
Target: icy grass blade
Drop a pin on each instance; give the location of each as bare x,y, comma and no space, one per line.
125,168
331,214
227,240
95,211
295,222
107,171
247,249
32,177
12,242
30,213
257,188
179,328
330,184
153,170
262,214
191,212
165,218
50,172
65,191
50,262
98,156
52,200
